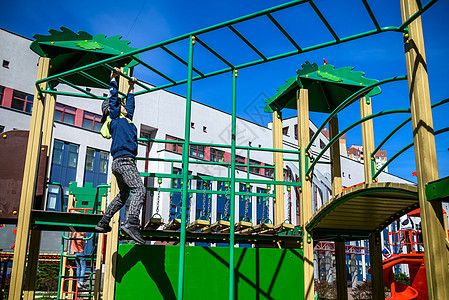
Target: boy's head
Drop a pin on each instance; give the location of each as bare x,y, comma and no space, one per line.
105,108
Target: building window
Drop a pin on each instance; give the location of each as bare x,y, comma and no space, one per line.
197,151
311,133
92,121
296,131
250,144
88,90
254,170
192,125
104,159
216,155
285,130
2,128
65,114
269,173
322,144
22,101
173,147
205,129
90,156
239,160
73,155
5,64
58,149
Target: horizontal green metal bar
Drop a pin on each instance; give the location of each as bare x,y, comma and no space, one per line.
402,125
77,87
181,60
202,43
349,101
371,15
54,92
237,33
153,69
160,141
323,19
88,76
268,149
417,14
208,192
225,179
281,29
203,162
291,159
219,237
333,140
129,78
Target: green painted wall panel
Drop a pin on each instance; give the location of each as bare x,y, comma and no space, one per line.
151,272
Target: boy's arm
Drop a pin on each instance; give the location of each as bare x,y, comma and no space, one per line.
130,102
114,104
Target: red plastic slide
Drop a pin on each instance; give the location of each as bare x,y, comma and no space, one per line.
418,282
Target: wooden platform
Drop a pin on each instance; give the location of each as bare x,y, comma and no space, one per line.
197,225
174,224
218,226
240,226
263,228
154,224
356,212
283,227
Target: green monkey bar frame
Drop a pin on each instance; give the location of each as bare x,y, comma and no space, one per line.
192,38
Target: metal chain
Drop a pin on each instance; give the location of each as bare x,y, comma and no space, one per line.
204,199
209,198
158,197
226,208
289,205
246,203
169,206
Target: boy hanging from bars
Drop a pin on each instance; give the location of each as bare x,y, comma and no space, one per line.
117,119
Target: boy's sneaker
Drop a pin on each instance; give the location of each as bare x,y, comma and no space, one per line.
103,227
133,232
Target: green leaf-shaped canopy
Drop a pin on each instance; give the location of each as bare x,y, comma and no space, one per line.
328,87
69,50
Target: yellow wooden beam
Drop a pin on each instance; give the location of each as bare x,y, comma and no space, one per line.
425,155
35,240
302,104
28,191
367,137
278,160
112,242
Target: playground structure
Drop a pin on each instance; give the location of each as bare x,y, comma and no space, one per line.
349,215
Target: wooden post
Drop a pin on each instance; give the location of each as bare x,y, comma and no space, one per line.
35,240
425,155
112,242
377,279
99,258
302,104
278,160
375,251
340,248
367,137
28,187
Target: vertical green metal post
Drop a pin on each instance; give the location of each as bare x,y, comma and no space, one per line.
185,171
232,200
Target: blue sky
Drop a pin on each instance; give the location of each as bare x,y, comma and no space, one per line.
382,56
